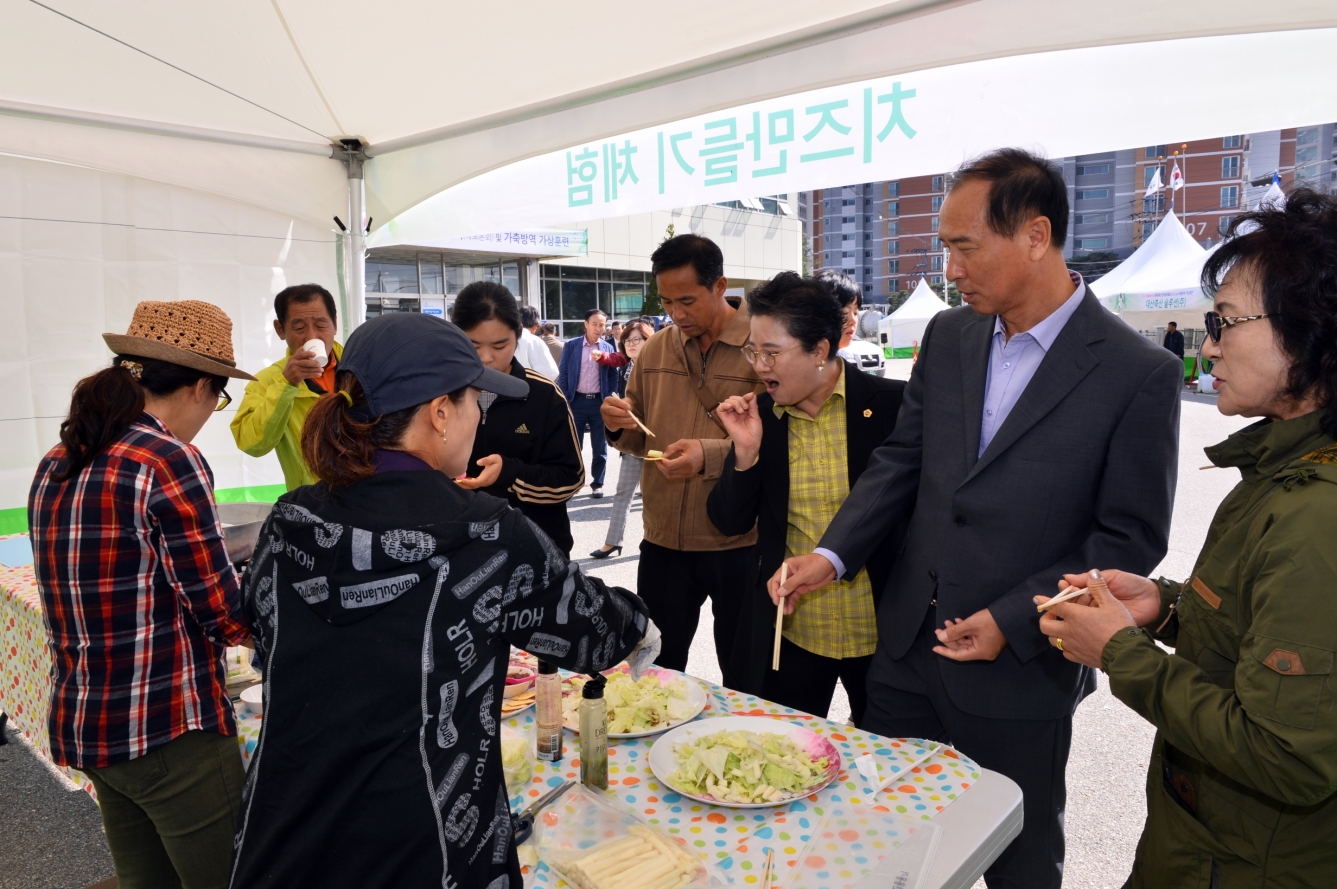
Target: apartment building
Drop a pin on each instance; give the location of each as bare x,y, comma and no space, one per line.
884,234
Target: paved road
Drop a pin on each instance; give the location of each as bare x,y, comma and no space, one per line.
50,837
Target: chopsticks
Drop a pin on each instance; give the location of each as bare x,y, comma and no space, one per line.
770,864
1071,592
644,428
779,619
1094,582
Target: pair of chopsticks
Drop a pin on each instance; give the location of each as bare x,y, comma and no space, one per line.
779,619
1094,582
644,428
770,865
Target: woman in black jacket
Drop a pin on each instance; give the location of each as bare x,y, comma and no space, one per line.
798,449
384,601
526,450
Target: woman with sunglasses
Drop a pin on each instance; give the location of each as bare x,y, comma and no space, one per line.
140,599
633,336
1242,789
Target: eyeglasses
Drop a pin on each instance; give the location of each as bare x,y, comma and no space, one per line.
1216,323
766,359
223,401
633,340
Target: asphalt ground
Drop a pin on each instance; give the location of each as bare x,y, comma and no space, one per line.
51,837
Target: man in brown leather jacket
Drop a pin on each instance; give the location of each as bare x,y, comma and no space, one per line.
682,373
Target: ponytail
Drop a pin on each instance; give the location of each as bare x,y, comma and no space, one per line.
104,405
339,448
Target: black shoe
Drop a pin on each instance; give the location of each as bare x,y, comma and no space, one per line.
606,553
596,492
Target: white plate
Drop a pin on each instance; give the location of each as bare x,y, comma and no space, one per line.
664,764
696,697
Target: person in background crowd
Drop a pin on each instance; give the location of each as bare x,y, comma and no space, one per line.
525,451
633,338
385,602
531,351
680,377
274,407
847,293
140,599
779,479
548,333
1038,436
614,332
1242,786
586,383
1174,340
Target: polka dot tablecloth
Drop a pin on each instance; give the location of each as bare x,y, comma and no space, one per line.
735,840
25,683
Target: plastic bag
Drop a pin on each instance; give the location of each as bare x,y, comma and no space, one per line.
517,757
593,844
865,847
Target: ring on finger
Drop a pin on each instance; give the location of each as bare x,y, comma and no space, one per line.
1058,643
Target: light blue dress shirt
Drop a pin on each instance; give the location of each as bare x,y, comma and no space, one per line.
1012,363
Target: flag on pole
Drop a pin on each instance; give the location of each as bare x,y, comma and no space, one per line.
1155,185
1176,178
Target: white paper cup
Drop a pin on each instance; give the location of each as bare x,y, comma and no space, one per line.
318,348
252,701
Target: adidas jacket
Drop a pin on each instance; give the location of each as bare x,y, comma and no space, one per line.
541,466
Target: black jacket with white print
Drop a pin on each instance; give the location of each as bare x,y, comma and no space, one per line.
384,613
536,438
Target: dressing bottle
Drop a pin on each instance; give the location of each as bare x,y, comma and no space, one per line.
594,734
548,703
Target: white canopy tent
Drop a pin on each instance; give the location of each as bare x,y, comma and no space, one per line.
164,150
901,332
1160,276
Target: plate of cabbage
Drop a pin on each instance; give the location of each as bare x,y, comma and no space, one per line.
661,700
744,762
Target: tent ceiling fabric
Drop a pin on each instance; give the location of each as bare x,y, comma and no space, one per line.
398,73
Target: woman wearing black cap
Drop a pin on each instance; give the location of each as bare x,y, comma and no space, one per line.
526,450
385,599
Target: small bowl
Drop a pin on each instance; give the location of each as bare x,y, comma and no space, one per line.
252,702
519,679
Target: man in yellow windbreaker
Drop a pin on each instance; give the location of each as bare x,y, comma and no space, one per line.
274,408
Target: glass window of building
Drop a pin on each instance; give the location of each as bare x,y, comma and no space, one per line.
1153,152
393,272
429,273
1092,169
1230,167
570,291
1148,173
937,203
1230,196
937,183
893,189
893,228
1230,142
1092,243
893,208
893,266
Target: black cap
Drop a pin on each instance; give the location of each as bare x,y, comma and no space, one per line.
593,687
547,667
406,359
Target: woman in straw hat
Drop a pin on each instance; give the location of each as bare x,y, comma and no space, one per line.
140,598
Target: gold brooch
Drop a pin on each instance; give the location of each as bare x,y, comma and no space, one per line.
868,412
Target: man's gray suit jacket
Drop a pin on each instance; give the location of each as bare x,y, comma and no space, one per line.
1080,475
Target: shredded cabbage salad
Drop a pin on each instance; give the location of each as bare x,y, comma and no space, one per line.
746,767
634,706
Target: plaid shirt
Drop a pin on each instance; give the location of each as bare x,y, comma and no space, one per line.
838,620
138,595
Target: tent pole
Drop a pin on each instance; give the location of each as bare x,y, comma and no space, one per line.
353,157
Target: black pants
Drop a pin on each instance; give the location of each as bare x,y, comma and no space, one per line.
806,681
585,411
906,699
675,584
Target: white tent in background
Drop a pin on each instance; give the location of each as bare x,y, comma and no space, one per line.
903,330
166,150
1159,282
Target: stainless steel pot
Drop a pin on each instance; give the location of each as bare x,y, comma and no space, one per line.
241,527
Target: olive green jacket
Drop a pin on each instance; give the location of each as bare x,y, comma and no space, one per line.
1244,708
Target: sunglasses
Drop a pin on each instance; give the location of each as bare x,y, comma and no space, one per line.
1217,323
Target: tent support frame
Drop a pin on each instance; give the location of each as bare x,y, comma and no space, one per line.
352,153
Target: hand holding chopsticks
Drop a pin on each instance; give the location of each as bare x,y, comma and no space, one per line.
1068,593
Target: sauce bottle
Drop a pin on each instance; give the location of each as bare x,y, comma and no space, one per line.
548,703
594,734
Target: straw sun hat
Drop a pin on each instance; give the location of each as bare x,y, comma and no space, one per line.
188,332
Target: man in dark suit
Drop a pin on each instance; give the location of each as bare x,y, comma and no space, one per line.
785,475
1038,436
586,384
1174,340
